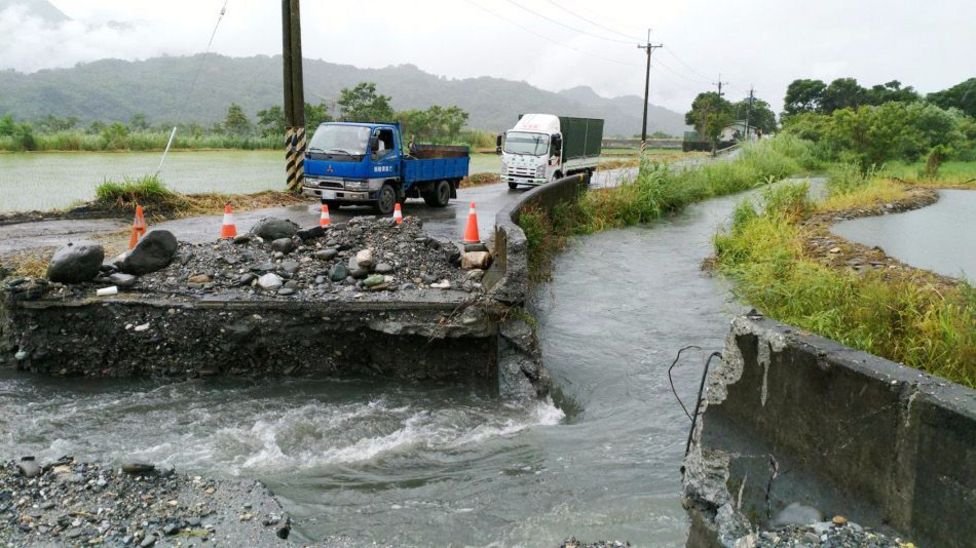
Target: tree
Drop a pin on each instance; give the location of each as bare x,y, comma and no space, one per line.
961,96
138,122
271,121
236,122
760,115
843,93
315,115
803,96
710,114
891,91
363,104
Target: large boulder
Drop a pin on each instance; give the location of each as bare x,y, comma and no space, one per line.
75,263
153,252
274,228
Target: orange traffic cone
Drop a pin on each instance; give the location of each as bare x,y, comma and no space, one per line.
397,214
324,218
138,227
228,229
471,231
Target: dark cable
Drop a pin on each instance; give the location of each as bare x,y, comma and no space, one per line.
670,380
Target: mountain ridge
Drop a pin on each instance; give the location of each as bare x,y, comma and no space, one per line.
115,90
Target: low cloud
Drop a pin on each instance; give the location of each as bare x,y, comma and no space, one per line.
32,43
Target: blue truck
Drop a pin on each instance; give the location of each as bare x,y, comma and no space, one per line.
368,164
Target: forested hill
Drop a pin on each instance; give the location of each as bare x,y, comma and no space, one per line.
114,90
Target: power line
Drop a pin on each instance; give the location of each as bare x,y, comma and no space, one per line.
690,68
570,27
544,37
590,21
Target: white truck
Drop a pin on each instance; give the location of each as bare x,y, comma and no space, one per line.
545,147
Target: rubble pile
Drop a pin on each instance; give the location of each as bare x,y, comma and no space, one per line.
278,260
71,503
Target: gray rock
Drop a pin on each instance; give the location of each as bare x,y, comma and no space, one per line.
356,270
327,254
270,281
384,268
338,273
284,245
273,228
76,263
319,280
244,238
123,280
266,266
285,291
246,279
153,252
292,284
290,266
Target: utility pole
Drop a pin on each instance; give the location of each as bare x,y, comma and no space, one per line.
291,54
647,87
720,83
749,110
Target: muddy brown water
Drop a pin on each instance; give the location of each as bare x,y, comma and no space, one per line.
416,465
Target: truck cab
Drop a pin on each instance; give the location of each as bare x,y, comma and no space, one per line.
544,147
365,164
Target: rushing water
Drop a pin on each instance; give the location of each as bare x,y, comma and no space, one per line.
937,237
46,180
416,465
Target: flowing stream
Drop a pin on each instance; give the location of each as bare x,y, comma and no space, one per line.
416,465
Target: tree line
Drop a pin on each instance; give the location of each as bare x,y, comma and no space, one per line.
852,123
361,103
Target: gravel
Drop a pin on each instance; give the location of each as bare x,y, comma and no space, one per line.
827,534
73,503
364,255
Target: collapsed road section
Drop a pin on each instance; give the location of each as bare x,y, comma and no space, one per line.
367,297
795,428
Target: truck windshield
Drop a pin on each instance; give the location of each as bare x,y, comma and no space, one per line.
351,140
535,144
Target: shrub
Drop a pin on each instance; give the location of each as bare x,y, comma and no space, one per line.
148,191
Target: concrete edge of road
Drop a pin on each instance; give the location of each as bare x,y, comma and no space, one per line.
508,277
886,444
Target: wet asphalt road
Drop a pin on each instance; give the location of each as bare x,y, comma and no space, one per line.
448,222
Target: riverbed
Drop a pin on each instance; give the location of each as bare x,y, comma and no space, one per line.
410,464
937,237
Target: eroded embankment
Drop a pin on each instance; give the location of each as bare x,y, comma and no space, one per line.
792,418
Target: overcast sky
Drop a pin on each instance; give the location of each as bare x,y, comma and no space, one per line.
551,44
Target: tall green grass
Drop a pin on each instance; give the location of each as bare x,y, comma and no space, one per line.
148,191
659,190
76,140
907,320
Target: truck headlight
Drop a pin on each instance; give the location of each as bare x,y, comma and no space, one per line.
356,185
540,171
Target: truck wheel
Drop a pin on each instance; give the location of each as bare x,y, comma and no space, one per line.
512,186
440,195
387,199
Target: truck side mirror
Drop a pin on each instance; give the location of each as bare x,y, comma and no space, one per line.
374,143
498,143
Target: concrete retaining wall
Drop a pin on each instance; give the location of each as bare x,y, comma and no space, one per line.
507,279
842,430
